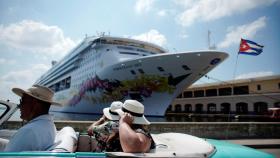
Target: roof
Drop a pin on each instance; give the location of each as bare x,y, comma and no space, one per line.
237,81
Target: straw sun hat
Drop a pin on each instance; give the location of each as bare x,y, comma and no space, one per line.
111,113
136,109
39,92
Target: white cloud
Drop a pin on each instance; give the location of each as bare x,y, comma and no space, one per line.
161,13
152,36
244,31
207,10
255,74
21,78
185,3
166,12
36,37
143,6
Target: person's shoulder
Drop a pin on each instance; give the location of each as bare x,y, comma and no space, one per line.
26,131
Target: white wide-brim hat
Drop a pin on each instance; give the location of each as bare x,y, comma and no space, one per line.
136,109
110,112
39,92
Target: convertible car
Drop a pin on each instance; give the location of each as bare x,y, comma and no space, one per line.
70,143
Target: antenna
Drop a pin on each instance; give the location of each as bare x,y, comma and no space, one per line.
213,47
100,34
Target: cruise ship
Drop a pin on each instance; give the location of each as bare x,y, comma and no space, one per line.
104,69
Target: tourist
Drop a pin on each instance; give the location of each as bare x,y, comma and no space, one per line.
38,134
105,130
133,133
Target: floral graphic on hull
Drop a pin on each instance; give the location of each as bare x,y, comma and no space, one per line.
138,88
96,90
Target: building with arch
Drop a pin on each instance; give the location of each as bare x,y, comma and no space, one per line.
242,96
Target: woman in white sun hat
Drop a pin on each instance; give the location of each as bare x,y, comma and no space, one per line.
133,133
40,131
105,130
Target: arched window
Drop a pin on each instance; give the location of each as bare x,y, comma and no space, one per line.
241,108
225,108
188,108
260,108
198,108
211,108
277,104
178,108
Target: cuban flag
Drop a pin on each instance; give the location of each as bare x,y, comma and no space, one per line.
249,47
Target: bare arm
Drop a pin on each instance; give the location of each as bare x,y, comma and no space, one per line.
130,140
96,123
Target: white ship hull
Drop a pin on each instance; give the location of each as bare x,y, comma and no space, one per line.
154,80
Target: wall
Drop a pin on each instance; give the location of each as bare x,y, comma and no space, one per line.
217,130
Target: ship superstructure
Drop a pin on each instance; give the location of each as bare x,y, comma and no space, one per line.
105,69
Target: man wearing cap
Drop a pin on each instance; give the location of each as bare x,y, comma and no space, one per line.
134,137
40,131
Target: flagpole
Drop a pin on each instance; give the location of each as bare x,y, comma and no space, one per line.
234,73
235,67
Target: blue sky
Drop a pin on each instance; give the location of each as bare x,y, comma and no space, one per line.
35,32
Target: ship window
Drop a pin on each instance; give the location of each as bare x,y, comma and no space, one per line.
241,90
160,69
62,85
132,72
57,85
141,71
129,53
100,41
141,50
198,93
259,87
187,94
126,48
225,91
185,67
211,92
68,82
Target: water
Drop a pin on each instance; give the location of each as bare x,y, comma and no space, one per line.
169,118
